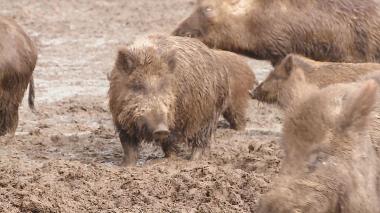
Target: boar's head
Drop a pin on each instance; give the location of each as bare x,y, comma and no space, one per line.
217,23
147,95
321,147
283,82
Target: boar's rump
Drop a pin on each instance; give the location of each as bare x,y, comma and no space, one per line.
242,80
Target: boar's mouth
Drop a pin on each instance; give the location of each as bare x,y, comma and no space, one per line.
262,96
145,130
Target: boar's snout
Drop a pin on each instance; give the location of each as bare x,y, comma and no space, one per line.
161,132
256,93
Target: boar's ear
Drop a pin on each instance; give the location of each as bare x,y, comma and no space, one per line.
294,62
358,106
288,64
171,59
126,60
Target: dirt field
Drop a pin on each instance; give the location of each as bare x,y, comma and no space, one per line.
66,158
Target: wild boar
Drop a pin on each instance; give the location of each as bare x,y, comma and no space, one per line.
242,79
337,31
320,74
330,163
167,89
18,58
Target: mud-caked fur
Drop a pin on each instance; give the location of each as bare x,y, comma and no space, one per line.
18,57
330,162
174,82
338,31
318,73
242,79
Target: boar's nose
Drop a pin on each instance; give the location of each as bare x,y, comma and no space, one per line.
257,93
254,93
161,132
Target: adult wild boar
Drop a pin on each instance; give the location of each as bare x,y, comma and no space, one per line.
330,163
325,30
18,57
242,79
320,74
167,89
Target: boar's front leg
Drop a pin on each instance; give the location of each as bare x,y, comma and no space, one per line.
201,142
170,145
130,147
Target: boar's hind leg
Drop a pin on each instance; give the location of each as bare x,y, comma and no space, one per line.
235,117
130,147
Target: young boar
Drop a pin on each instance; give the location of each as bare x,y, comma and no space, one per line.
167,89
320,74
330,163
338,31
242,79
18,57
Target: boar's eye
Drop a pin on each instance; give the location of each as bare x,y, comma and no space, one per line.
137,87
208,11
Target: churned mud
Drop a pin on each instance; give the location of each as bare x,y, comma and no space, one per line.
66,158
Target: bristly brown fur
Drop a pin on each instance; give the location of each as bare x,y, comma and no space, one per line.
330,164
338,31
185,85
242,80
17,62
317,73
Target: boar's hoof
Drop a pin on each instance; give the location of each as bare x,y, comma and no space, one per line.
128,162
130,158
199,153
8,139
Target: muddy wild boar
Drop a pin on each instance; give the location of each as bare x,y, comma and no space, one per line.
320,74
18,57
168,89
242,79
330,163
338,31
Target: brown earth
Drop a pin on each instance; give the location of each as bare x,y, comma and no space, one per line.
66,158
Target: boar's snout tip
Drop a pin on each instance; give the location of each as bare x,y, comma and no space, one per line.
161,132
256,92
252,93
175,32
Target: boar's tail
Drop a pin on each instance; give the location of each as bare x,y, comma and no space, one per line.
31,95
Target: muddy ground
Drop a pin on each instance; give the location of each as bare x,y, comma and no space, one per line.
66,158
